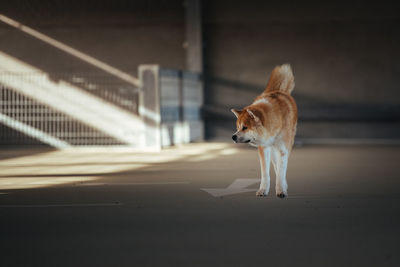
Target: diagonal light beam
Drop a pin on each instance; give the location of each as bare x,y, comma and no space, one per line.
71,100
33,132
72,51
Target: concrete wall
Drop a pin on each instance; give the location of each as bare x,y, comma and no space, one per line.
344,54
121,33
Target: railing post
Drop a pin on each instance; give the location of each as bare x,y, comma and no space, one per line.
149,105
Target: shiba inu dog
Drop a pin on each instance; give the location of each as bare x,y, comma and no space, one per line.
269,123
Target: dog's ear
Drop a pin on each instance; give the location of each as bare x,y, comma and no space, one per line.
237,112
255,118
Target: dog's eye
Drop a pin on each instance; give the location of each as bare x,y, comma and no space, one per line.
244,128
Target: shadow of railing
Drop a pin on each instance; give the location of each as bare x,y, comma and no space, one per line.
312,110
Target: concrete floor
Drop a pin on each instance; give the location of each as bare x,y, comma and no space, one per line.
96,207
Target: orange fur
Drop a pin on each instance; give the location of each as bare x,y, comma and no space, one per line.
271,120
279,114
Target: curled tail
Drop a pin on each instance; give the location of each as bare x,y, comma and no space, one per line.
281,79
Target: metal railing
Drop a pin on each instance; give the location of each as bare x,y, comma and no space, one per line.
70,109
106,108
106,87
24,120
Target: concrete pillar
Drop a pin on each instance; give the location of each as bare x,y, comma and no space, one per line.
194,40
192,83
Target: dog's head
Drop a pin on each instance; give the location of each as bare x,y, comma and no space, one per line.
249,126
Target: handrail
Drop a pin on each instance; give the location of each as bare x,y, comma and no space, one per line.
72,51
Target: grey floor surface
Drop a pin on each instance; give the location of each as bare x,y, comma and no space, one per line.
119,208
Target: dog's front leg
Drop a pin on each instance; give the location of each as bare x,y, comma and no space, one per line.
280,160
265,158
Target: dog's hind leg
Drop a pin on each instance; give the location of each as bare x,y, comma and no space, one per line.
280,157
265,158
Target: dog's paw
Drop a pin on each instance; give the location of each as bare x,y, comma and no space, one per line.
281,195
261,193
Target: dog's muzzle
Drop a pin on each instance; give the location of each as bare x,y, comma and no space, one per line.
234,138
239,140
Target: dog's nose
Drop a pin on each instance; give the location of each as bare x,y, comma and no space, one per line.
234,137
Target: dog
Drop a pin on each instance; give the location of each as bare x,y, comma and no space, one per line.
269,123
